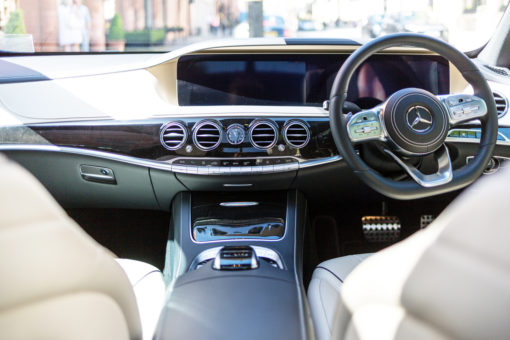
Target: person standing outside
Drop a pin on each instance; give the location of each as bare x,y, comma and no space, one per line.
86,25
70,26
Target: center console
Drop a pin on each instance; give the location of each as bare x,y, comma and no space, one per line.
234,260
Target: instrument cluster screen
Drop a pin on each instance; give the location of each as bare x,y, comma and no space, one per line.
302,79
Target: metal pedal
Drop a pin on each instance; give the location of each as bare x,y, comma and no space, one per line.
425,220
381,228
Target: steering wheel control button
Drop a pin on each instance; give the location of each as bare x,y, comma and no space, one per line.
464,107
365,126
236,134
416,121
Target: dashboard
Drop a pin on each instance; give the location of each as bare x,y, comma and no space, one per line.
215,117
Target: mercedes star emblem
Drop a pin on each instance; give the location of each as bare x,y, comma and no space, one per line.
419,119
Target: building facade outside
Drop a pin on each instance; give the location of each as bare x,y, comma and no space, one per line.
6,7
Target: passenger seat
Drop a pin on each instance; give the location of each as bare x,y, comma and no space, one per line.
56,282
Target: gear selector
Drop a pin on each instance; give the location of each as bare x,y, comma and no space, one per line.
236,258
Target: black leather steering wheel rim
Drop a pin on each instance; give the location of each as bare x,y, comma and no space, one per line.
410,189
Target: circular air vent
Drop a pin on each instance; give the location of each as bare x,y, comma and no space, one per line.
173,135
501,104
296,134
207,135
263,134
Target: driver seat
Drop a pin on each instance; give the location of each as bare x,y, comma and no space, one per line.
448,281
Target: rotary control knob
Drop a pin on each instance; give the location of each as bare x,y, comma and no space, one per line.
236,134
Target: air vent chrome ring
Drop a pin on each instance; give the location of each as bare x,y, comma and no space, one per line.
173,135
263,134
501,103
296,134
207,135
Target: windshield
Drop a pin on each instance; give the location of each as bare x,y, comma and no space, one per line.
164,25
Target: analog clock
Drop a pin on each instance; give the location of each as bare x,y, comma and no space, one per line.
236,134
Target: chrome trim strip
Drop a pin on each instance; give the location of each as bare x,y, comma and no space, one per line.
238,204
473,140
320,161
250,111
159,165
443,175
227,241
500,134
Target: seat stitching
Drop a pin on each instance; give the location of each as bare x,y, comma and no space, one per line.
324,308
143,277
331,273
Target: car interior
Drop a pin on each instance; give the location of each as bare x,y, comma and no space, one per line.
283,188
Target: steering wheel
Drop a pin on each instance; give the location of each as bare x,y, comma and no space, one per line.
413,123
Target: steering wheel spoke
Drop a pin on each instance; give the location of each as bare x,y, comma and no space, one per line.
366,126
462,108
443,175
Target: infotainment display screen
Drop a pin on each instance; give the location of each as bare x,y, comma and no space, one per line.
302,79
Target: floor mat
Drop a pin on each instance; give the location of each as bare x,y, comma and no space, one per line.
133,234
326,237
338,230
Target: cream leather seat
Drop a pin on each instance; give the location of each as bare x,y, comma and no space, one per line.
56,282
449,281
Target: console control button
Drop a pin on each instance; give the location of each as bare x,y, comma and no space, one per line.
179,168
235,170
191,169
245,170
268,168
256,169
234,166
214,170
